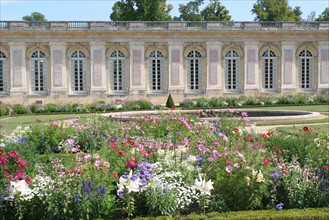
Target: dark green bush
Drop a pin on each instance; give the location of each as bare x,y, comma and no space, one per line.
170,102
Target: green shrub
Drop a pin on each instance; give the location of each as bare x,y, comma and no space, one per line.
170,102
50,107
20,109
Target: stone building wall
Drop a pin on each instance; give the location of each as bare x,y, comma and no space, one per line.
60,62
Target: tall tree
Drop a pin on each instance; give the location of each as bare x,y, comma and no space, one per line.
141,10
35,16
275,10
324,16
190,11
215,12
311,16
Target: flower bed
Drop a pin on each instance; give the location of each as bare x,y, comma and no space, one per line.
171,165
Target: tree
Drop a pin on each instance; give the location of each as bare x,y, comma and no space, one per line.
215,12
275,10
311,16
190,11
35,16
324,16
141,10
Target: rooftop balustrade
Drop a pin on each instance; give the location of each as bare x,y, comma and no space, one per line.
158,25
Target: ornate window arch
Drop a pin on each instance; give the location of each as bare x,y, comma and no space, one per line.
78,72
305,70
38,72
194,70
156,71
232,70
269,70
117,71
3,73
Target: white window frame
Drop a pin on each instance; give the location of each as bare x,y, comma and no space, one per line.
194,71
306,70
38,73
78,72
156,71
117,71
232,71
3,74
269,70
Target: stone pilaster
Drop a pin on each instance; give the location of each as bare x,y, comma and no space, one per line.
137,72
176,81
214,76
98,63
323,67
18,68
289,77
251,70
58,80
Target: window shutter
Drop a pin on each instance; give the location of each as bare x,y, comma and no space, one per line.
263,73
45,75
74,65
311,74
189,72
162,74
151,74
32,74
3,76
84,75
300,72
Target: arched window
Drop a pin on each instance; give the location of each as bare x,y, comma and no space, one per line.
232,70
194,70
305,70
78,72
3,73
38,72
117,71
156,71
269,70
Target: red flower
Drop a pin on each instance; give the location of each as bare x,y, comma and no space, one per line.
5,171
172,107
1,152
305,128
269,133
113,139
13,154
131,164
28,180
82,171
22,164
265,161
248,138
264,135
131,143
123,153
228,161
116,175
105,169
113,146
236,130
278,149
86,140
327,168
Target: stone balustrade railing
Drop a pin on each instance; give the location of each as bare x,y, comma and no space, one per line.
158,25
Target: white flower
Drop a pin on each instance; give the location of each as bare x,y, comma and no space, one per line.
20,188
203,186
129,184
260,177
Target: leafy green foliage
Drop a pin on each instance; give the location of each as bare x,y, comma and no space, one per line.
141,10
275,10
324,16
170,102
35,17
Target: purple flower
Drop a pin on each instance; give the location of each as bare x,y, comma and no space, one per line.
120,193
101,190
279,206
276,175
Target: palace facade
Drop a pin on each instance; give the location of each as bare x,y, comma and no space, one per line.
59,62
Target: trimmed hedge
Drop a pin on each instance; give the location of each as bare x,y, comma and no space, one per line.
291,214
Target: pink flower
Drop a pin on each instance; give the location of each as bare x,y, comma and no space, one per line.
97,163
76,169
5,171
13,154
86,157
10,178
244,114
19,174
105,169
265,161
74,149
22,163
28,180
70,141
131,164
248,138
225,138
122,152
116,175
237,165
229,169
327,168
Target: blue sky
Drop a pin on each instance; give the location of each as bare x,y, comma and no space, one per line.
68,10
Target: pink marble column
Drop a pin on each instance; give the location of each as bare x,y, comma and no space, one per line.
18,67
137,71
97,61
323,66
175,66
289,80
58,66
214,65
251,70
